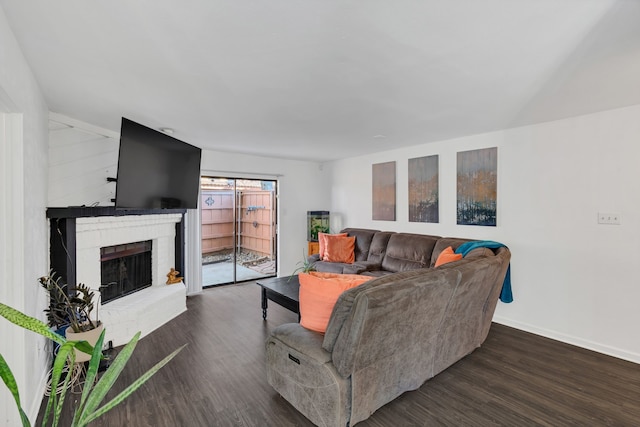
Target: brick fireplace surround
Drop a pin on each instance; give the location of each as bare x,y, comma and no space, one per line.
76,236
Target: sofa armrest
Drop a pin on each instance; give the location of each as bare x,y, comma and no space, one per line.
302,340
313,258
302,373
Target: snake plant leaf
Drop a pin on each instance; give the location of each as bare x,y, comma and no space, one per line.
110,376
92,372
85,347
30,323
12,385
89,417
65,357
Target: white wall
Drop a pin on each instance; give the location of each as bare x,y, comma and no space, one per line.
81,158
23,227
573,280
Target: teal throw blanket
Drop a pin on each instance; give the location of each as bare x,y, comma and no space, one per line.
465,248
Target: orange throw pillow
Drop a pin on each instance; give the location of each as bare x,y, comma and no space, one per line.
319,293
322,242
446,256
340,249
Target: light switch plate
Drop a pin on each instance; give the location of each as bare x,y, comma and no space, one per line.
609,218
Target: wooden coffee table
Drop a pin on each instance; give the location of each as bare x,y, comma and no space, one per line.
281,290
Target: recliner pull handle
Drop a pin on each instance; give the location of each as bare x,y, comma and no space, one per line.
295,359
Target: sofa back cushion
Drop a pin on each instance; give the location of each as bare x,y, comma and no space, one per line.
379,246
406,251
363,241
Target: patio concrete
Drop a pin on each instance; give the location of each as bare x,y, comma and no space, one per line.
222,272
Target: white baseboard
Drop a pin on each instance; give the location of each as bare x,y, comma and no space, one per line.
569,339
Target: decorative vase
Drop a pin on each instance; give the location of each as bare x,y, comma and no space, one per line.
89,336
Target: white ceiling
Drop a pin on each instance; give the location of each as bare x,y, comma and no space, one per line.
326,79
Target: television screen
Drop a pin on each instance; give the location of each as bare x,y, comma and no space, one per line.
155,170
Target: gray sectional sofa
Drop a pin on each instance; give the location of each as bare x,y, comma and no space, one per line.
378,253
391,334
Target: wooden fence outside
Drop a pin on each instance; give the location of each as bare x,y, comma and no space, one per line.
255,221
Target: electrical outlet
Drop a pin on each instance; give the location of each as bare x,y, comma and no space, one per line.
609,218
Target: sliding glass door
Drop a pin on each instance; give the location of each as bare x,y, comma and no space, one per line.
238,230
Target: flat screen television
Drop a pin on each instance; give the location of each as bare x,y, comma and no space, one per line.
155,170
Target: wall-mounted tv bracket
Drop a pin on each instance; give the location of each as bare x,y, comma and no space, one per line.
112,179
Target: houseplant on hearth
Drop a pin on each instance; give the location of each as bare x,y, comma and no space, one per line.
70,311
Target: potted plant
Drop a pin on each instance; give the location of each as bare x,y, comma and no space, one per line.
70,311
94,392
304,266
69,306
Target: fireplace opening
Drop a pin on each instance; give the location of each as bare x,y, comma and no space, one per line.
124,269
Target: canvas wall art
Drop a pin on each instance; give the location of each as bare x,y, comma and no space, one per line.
384,191
423,189
477,187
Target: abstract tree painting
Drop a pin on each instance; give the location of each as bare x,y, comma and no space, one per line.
477,187
384,191
423,189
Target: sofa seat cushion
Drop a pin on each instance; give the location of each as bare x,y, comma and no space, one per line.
319,293
360,267
377,273
331,267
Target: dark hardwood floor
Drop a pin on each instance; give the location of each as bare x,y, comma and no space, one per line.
514,379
